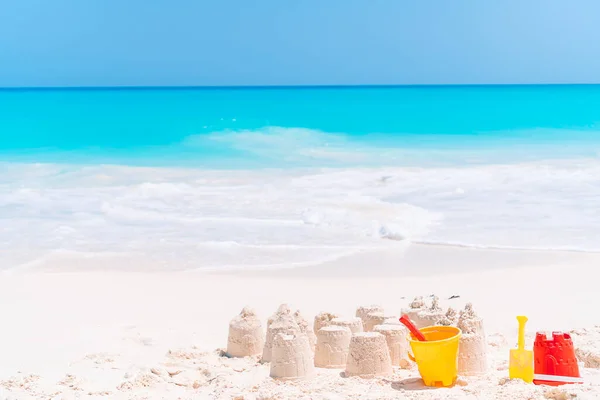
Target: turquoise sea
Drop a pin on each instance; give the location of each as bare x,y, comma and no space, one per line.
288,127
213,178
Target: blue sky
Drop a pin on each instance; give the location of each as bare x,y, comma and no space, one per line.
286,42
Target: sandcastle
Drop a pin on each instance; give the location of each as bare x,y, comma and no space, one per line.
323,319
305,328
368,356
281,322
397,343
392,321
292,357
422,315
245,335
449,319
363,311
472,353
378,318
373,319
354,324
333,343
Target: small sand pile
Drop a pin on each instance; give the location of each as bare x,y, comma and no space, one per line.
418,303
395,336
368,356
472,350
469,322
281,322
281,310
333,343
245,335
306,329
449,319
323,319
363,311
292,357
422,315
414,308
587,348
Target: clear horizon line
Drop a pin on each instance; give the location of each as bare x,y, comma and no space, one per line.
217,87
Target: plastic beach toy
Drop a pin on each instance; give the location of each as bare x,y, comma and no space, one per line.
412,328
520,363
555,362
437,355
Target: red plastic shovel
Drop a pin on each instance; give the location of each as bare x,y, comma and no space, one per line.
412,328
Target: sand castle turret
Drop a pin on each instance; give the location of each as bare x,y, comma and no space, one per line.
449,319
392,321
397,343
306,329
292,357
333,343
354,324
422,315
245,335
368,356
363,311
281,310
323,319
281,322
414,308
472,348
371,320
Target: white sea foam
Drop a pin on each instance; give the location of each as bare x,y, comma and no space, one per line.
303,147
208,219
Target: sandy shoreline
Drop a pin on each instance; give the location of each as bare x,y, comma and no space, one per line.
427,260
104,329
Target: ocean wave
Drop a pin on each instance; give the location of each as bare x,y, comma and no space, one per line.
199,218
281,147
303,147
293,145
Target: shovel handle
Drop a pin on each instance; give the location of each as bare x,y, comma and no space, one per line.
522,320
412,328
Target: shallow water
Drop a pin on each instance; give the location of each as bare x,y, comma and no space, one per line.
275,178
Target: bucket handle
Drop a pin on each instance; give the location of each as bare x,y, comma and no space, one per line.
411,356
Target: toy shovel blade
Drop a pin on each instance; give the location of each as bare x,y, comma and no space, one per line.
520,365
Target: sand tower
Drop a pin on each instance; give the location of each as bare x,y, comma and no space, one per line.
292,357
323,319
354,324
368,356
373,319
472,348
423,315
245,335
392,321
306,329
450,318
281,322
414,308
282,309
397,343
363,311
333,343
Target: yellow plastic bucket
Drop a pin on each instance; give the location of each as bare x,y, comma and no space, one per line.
437,358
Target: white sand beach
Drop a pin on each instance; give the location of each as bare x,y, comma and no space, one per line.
160,335
253,200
